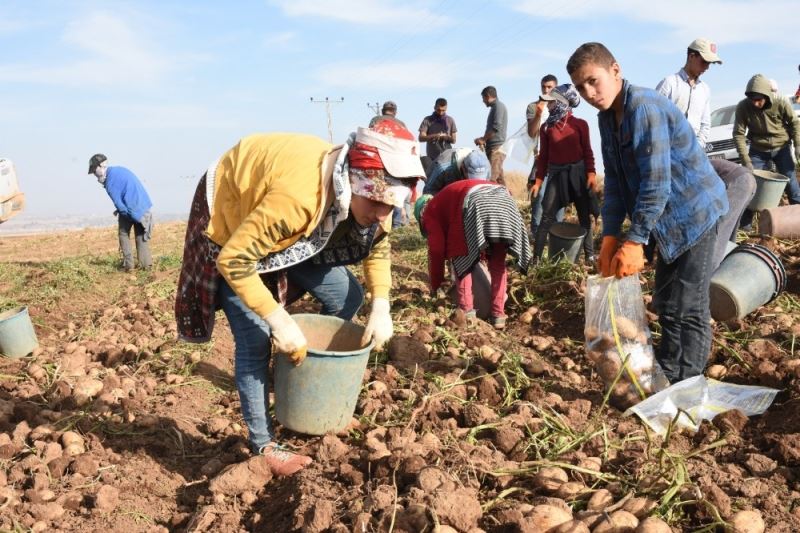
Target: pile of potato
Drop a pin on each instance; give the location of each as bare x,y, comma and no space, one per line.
602,350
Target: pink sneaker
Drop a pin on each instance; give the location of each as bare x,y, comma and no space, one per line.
281,461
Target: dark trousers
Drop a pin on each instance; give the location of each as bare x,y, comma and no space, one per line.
784,164
551,206
682,303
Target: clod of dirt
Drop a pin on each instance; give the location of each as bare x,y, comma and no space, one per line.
85,465
375,446
476,414
460,508
58,467
47,511
235,479
331,449
506,438
107,498
88,387
406,352
217,425
746,522
414,518
653,525
617,522
382,497
319,517
732,421
716,496
431,479
760,465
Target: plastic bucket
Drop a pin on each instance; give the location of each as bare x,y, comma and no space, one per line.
769,190
17,337
320,395
565,241
749,277
781,222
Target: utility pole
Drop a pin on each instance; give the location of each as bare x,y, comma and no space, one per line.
376,108
327,101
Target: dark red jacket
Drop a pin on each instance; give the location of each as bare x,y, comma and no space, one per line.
443,222
566,141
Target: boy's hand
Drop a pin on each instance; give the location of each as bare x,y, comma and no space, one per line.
535,187
607,251
628,260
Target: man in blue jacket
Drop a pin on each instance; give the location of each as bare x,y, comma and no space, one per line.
132,209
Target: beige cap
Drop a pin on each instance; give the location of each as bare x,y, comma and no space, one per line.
706,49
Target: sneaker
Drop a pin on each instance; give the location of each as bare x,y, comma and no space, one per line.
499,322
471,316
281,461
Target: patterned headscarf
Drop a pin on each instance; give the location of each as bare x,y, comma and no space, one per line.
387,145
566,98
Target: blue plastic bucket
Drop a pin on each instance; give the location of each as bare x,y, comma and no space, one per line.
769,190
17,337
749,277
565,241
320,395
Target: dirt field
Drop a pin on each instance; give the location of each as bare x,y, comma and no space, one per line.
114,426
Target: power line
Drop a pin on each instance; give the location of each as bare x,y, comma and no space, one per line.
327,101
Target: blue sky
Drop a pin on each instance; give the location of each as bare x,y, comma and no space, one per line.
164,87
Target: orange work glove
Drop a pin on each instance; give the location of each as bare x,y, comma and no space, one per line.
536,186
628,260
607,251
591,181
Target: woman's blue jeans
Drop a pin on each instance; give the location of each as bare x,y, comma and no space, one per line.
341,295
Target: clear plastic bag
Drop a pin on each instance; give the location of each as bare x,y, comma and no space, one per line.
618,340
693,400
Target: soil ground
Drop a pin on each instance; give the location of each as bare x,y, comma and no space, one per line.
113,425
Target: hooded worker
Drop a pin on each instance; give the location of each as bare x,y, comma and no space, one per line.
279,215
771,127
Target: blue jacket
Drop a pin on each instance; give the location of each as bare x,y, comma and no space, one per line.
657,174
127,193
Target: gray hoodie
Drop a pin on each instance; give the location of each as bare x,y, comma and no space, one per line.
769,128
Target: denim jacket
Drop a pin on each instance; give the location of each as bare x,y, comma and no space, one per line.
657,174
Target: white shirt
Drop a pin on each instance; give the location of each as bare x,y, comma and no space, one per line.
694,101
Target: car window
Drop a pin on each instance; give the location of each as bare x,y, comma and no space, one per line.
723,116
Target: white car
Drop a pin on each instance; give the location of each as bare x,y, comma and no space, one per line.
720,143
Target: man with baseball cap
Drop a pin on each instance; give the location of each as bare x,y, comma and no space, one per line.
688,91
133,209
457,164
279,215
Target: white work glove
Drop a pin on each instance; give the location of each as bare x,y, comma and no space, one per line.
287,338
379,326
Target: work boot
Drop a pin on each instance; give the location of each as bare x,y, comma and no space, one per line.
281,461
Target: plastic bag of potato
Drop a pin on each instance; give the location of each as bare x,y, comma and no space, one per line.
618,340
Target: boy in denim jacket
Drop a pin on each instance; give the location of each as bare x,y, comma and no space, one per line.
658,176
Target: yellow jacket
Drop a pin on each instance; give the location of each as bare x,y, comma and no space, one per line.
268,193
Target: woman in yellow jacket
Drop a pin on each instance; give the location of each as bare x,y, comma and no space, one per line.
279,215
